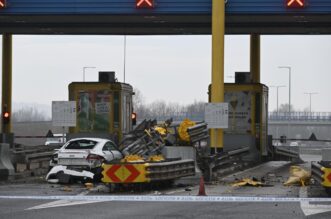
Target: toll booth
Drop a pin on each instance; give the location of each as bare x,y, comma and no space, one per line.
248,118
104,108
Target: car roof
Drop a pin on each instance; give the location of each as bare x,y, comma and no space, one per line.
100,141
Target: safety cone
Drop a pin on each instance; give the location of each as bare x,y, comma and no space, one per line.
202,191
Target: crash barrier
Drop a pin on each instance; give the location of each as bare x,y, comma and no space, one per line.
147,171
31,157
6,167
299,116
286,151
211,163
316,172
198,133
147,142
321,172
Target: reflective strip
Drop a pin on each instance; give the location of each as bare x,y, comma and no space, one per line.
137,198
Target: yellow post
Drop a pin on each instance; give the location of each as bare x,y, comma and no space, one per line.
217,81
255,57
6,78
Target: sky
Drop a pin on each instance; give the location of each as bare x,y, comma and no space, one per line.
171,68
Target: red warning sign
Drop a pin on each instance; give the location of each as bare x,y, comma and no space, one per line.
124,173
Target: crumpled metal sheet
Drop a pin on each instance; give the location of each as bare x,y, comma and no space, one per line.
247,182
57,169
298,176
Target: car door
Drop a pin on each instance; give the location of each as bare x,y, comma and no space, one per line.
111,152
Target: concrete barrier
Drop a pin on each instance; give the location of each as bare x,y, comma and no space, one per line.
6,167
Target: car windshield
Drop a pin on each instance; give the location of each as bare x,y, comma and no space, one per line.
81,144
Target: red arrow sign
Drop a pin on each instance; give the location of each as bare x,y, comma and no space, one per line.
131,175
111,173
145,3
134,173
2,3
295,3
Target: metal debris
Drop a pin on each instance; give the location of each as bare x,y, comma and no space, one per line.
248,182
299,176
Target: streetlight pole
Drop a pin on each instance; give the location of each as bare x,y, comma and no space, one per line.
84,68
277,87
289,97
310,93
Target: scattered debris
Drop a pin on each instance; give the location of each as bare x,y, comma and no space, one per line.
67,189
298,176
248,182
89,185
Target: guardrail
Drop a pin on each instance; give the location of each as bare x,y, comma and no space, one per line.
299,116
286,152
316,172
210,164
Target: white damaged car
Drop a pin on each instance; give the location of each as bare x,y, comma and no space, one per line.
81,158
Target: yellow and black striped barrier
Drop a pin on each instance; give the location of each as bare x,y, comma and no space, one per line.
145,172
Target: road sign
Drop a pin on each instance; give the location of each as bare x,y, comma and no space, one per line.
124,173
2,3
64,113
217,115
295,3
145,3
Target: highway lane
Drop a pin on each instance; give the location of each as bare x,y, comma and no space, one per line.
274,174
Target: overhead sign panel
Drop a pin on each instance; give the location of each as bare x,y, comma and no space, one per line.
145,3
295,3
2,4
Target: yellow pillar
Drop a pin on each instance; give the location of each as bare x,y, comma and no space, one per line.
217,81
6,78
255,57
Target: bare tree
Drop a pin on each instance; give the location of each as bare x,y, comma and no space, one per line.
29,114
283,108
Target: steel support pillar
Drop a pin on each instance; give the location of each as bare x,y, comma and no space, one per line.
217,81
6,102
255,57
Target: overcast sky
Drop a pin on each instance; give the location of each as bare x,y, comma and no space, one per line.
170,68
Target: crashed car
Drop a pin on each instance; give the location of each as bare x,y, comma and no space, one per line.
81,158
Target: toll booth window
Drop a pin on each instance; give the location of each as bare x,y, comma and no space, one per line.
93,110
116,109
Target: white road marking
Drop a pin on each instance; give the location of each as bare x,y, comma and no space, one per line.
311,208
62,203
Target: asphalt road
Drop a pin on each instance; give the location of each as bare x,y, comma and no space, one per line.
272,173
18,209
